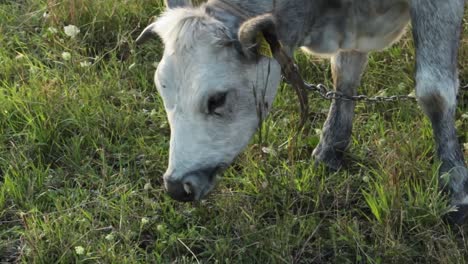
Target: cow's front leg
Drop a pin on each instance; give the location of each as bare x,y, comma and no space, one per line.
347,68
436,30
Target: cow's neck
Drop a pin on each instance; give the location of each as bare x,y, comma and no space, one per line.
233,12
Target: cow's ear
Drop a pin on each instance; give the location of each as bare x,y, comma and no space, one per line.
251,29
148,33
177,3
164,24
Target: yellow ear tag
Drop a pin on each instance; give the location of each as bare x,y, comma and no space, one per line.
263,46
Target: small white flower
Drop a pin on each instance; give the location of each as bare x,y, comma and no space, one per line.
464,116
147,186
160,228
19,56
79,250
71,30
144,221
66,55
365,179
382,92
270,151
381,142
109,237
85,64
52,30
318,131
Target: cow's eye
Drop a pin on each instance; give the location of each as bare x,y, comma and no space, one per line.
216,103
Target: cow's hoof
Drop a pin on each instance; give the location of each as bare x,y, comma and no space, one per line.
459,217
456,177
328,156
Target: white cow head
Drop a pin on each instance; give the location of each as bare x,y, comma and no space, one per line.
215,93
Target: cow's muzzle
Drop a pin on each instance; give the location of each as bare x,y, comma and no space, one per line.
191,186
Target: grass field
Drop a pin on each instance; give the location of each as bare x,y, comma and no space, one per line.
84,142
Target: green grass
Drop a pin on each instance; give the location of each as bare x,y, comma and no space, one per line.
82,151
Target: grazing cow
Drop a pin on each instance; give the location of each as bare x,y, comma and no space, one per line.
213,81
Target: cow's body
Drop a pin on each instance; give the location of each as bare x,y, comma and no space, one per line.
217,35
327,27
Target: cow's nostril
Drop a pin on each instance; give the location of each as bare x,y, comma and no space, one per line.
188,188
193,185
180,191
